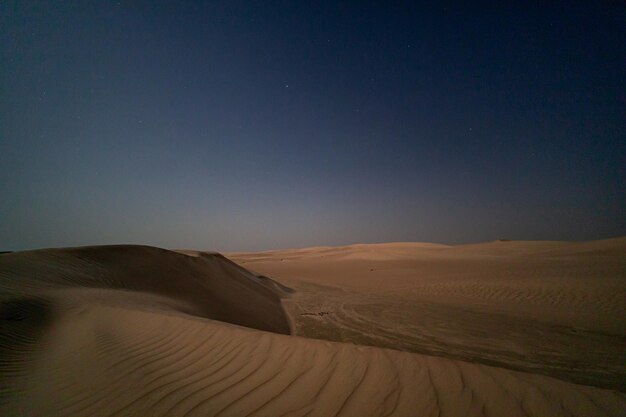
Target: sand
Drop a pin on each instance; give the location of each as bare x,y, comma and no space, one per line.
141,331
556,308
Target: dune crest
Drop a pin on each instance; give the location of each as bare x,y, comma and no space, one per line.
207,284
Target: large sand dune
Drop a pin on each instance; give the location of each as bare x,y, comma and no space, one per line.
140,331
206,285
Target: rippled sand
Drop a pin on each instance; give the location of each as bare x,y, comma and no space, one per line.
140,331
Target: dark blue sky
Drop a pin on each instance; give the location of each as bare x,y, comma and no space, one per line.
254,125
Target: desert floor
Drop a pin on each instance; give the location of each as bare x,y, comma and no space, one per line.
546,307
402,329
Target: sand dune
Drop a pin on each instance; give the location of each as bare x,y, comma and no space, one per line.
139,331
207,285
556,308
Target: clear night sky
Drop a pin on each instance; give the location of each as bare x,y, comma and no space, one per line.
256,125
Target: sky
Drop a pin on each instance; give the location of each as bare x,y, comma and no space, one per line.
240,126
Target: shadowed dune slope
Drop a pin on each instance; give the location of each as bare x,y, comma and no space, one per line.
207,285
134,331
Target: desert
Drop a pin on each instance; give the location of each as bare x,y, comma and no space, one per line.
312,208
399,329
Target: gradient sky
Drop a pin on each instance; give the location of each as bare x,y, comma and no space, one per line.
256,125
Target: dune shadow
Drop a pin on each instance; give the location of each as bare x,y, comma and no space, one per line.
22,323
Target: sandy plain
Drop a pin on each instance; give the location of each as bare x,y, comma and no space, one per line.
402,329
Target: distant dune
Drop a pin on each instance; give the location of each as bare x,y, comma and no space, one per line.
142,331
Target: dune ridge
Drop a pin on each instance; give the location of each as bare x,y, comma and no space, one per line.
128,331
207,285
